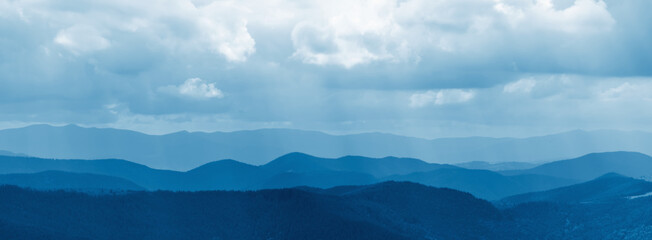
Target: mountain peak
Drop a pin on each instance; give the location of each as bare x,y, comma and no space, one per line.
612,175
224,164
293,155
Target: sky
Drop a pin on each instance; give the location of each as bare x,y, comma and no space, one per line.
425,68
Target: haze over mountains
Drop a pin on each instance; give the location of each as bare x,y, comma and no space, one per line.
185,150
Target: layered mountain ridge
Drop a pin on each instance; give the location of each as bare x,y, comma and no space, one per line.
298,169
185,150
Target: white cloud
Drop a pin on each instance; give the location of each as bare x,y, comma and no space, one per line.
345,33
521,86
195,88
178,25
422,99
637,91
441,97
238,47
349,33
81,39
583,16
228,37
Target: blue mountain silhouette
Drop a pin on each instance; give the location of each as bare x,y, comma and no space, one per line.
185,150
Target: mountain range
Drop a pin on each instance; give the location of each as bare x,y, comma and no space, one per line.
185,150
298,169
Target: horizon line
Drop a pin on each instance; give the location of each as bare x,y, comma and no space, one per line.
84,126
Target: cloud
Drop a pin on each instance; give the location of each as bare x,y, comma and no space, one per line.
341,33
441,97
229,38
349,33
636,91
219,27
581,17
81,39
521,86
195,88
240,46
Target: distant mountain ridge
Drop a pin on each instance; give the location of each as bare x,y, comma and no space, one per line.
609,187
8,153
377,167
296,169
500,166
185,150
484,184
590,166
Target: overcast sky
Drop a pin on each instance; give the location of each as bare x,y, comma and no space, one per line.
427,68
